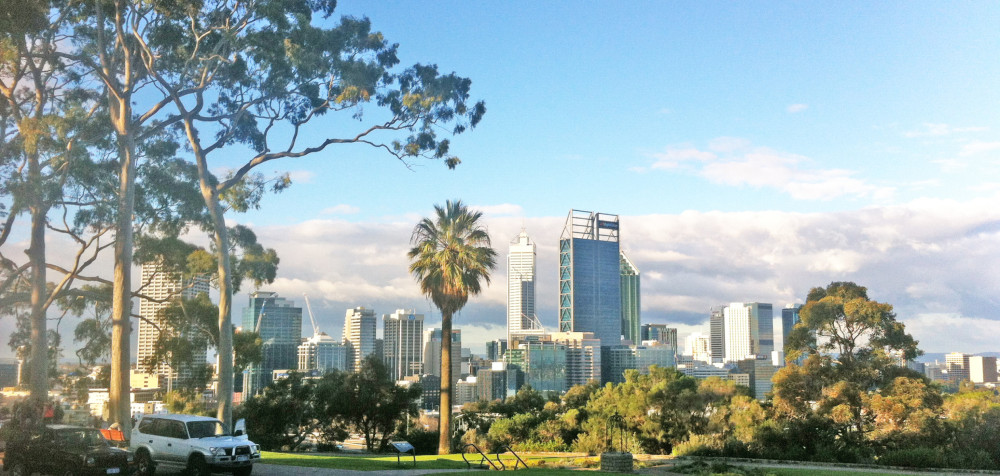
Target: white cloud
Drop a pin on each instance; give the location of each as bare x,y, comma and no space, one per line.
929,258
301,176
342,209
504,209
793,108
674,157
979,147
928,129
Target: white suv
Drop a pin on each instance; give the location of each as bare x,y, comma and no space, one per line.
193,443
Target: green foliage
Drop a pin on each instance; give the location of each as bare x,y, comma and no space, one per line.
371,403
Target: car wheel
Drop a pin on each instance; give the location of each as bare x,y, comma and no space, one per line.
197,466
144,464
244,471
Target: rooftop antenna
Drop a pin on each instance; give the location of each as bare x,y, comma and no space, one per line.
311,318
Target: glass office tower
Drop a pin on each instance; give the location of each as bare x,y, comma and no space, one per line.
590,276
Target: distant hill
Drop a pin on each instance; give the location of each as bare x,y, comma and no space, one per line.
930,357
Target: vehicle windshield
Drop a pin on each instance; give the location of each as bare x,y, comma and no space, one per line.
80,437
202,429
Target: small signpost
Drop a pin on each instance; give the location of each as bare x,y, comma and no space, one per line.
404,447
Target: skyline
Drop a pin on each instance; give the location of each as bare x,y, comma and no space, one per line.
752,152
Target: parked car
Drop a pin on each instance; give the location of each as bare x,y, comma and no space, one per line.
65,450
193,443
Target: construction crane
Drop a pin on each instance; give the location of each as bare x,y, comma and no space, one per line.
260,317
311,318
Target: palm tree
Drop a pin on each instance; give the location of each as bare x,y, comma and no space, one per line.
451,258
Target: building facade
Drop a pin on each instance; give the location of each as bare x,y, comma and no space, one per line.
748,330
278,321
163,288
542,363
432,353
717,333
359,334
583,356
590,276
630,285
521,285
403,348
323,354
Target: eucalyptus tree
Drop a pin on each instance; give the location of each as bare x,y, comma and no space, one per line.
254,79
49,130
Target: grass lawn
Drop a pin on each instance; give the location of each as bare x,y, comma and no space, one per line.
388,462
821,472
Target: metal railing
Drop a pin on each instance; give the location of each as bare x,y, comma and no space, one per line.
485,458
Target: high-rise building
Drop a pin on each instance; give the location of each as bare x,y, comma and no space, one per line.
359,334
699,347
660,333
521,286
278,321
590,276
492,382
163,288
403,347
583,356
630,299
543,364
789,317
432,353
615,360
748,330
717,334
654,353
761,372
982,369
323,354
495,349
957,364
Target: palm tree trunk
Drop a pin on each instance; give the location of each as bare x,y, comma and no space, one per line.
444,441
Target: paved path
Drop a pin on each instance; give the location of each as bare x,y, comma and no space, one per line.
260,469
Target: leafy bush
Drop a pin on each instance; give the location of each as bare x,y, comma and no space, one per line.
915,458
699,445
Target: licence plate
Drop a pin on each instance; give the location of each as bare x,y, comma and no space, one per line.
242,458
113,470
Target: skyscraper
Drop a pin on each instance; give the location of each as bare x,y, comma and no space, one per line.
359,333
432,353
403,343
521,285
789,317
630,299
323,353
162,287
583,356
279,323
660,333
717,334
590,276
748,330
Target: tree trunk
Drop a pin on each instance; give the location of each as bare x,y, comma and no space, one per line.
224,389
119,389
444,426
38,367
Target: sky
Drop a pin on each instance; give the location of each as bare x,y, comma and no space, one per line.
753,150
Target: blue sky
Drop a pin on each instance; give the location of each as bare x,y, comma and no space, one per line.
753,149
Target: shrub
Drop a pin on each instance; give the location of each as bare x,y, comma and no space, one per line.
914,458
699,445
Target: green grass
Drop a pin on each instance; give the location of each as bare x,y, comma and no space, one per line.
820,472
388,462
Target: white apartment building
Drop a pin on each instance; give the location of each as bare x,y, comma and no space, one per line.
359,333
162,287
403,343
521,285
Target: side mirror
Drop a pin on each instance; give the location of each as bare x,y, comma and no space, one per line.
240,428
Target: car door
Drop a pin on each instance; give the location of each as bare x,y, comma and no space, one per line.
176,440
